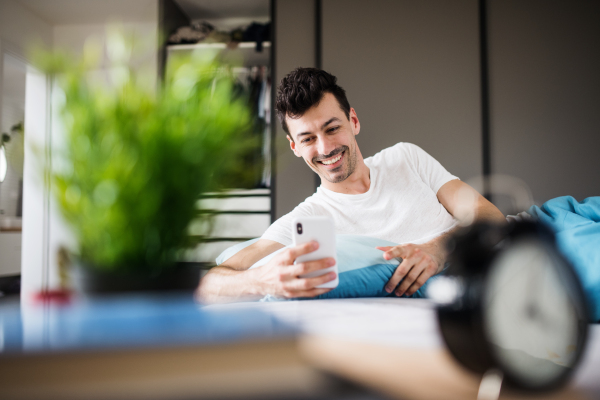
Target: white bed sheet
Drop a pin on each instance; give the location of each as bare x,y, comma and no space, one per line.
387,321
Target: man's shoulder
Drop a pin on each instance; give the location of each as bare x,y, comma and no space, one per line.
309,206
392,153
280,232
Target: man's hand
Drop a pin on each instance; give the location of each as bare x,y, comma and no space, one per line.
281,277
419,263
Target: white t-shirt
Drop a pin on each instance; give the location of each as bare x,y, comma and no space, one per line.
400,206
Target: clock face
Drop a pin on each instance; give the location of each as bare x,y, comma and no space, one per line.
530,315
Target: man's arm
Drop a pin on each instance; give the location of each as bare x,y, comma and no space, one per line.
421,262
467,205
234,281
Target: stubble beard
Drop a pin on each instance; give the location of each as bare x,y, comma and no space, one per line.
349,162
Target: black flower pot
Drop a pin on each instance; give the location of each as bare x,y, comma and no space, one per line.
182,277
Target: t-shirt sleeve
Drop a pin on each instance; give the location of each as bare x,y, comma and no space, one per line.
428,168
281,230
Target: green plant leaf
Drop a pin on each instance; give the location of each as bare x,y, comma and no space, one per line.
135,162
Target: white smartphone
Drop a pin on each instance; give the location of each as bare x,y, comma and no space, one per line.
322,230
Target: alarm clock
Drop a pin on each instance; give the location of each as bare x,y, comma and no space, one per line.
509,301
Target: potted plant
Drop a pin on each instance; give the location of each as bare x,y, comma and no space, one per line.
136,160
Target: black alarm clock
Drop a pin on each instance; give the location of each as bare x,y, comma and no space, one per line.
509,301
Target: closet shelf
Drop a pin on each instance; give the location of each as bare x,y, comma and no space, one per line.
241,45
259,192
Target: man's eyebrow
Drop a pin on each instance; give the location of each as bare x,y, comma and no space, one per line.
322,127
329,121
302,134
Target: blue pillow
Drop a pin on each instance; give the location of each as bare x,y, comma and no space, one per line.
363,272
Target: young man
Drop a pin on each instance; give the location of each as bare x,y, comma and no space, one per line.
401,194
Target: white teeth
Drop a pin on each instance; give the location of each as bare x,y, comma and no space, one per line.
332,161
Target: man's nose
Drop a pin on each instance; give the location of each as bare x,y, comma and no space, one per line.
325,146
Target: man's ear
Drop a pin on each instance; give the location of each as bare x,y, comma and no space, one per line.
293,145
354,122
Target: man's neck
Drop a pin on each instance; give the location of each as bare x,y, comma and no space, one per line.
357,183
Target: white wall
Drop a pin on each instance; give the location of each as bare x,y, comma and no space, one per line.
35,256
10,253
19,27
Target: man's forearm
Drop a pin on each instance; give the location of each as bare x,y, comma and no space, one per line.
223,284
438,248
485,212
235,280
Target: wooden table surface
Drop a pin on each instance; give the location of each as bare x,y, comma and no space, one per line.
410,373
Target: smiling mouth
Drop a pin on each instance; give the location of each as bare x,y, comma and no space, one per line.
333,162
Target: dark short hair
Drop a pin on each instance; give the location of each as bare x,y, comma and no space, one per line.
304,88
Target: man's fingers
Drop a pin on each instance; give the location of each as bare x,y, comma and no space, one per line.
311,266
415,268
393,253
289,272
308,293
304,284
400,251
290,255
399,273
418,283
429,268
383,248
410,278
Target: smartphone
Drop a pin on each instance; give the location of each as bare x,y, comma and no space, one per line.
322,230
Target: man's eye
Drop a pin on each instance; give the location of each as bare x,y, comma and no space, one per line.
306,140
335,128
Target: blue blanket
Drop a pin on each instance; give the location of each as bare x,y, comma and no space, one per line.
577,228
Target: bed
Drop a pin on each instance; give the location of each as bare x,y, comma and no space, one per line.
393,344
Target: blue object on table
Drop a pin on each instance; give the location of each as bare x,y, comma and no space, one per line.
577,228
130,322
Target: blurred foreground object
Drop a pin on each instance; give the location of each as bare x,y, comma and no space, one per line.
149,347
510,301
510,194
135,160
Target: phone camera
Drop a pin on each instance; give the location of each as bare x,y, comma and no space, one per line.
299,228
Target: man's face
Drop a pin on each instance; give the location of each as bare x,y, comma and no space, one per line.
324,137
